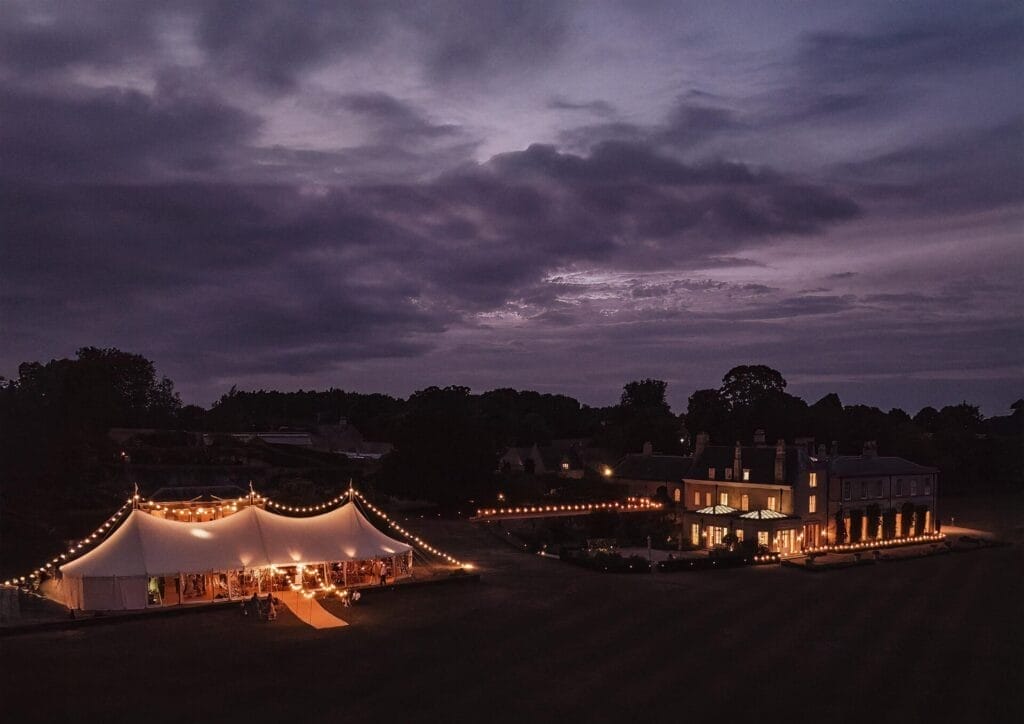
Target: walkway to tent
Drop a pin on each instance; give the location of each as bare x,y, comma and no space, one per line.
309,610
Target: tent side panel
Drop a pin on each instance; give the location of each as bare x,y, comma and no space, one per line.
108,593
100,594
133,592
72,586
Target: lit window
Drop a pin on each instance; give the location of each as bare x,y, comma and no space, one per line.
762,537
812,504
739,534
746,474
771,502
723,498
707,499
812,480
695,534
565,466
745,502
711,473
696,498
677,495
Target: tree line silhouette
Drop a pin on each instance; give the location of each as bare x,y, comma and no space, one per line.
55,418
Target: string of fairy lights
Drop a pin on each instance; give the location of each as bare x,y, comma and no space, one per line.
137,501
631,504
76,549
348,495
415,538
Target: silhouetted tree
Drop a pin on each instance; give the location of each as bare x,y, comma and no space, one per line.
744,385
707,412
643,415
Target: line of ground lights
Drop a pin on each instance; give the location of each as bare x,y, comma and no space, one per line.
640,504
866,545
75,551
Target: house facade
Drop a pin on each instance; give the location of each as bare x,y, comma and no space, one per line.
772,495
873,497
564,461
786,497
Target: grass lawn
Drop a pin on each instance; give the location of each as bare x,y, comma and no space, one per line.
937,639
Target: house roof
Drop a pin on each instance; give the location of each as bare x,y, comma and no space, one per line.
553,457
759,460
664,468
856,465
717,510
764,514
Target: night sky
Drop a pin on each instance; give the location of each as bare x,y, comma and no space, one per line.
552,196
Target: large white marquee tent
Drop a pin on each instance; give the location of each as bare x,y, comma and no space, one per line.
116,574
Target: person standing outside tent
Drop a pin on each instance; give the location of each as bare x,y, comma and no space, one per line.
383,573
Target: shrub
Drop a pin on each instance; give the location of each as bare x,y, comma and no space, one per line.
919,517
874,516
889,523
907,518
840,527
856,516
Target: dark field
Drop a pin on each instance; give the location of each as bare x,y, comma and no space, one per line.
936,639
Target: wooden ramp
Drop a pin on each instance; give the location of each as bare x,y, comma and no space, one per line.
309,610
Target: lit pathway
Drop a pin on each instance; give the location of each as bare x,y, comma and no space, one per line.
309,610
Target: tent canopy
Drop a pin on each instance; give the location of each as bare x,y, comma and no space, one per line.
145,545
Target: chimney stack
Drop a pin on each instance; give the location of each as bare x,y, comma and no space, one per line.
737,462
700,445
759,437
835,448
648,448
780,461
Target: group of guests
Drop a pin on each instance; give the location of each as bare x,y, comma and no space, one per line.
265,608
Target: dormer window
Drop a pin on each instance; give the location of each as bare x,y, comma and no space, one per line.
728,473
711,473
746,474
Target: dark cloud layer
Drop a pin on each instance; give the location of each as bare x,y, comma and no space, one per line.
268,193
